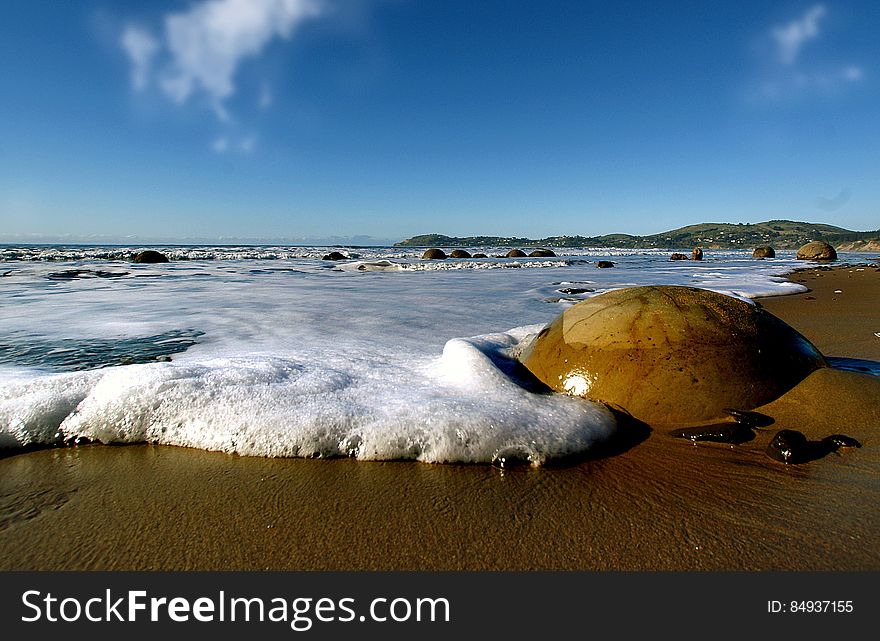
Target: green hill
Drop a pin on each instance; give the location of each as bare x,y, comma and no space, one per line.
780,234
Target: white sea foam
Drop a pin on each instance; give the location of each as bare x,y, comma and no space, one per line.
459,407
303,357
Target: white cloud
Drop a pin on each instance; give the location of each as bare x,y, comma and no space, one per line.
247,144
203,47
788,76
266,97
220,145
853,73
791,38
141,48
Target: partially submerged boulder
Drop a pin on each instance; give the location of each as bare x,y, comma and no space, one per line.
149,256
764,251
459,253
479,256
817,250
335,256
516,253
671,355
678,256
434,254
697,253
542,253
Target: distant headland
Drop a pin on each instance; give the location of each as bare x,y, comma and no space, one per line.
781,234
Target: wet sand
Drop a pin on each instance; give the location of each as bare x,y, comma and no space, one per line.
655,503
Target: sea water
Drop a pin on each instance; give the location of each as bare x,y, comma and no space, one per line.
272,351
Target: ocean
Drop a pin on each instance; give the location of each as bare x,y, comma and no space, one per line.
271,351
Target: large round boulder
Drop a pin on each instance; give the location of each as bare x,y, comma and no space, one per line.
149,256
671,355
335,256
764,251
434,254
516,253
460,253
817,250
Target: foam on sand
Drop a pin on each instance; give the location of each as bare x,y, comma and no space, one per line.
461,407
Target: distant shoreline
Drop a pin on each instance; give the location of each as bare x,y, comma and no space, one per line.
779,234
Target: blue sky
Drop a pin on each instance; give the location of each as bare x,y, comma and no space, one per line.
316,119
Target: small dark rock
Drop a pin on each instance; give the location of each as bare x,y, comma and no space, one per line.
765,251
791,447
516,253
542,253
72,274
841,440
479,256
434,254
149,256
788,446
604,264
752,419
335,256
574,290
459,253
719,433
68,274
678,257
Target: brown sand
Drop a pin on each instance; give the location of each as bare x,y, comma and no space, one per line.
661,504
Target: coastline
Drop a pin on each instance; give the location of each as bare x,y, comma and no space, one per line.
662,504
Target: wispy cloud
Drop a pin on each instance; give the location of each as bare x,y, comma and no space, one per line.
786,74
266,97
141,48
198,52
244,144
220,144
791,38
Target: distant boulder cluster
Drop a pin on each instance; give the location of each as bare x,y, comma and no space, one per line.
815,250
436,253
696,254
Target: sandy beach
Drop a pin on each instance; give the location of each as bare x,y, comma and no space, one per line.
650,502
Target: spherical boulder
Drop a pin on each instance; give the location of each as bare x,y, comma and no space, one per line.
697,254
671,355
335,256
149,256
764,251
677,256
434,254
459,253
516,253
817,250
542,253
